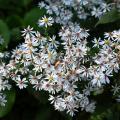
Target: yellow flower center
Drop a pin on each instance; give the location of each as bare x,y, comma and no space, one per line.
49,55
51,78
46,20
107,42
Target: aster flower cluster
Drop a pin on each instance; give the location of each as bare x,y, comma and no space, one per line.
64,9
63,64
39,62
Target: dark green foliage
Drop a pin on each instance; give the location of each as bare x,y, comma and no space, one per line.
109,17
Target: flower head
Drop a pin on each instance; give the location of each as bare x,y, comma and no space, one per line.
46,21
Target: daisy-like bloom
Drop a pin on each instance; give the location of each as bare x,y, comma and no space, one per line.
96,42
84,33
68,2
81,50
106,7
21,83
50,56
28,32
96,12
34,79
45,21
51,77
116,35
53,42
4,85
99,79
109,35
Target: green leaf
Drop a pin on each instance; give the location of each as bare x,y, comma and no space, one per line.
14,21
32,17
4,32
10,96
109,17
26,2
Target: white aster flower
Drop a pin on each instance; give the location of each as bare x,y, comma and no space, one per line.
96,12
28,32
45,21
21,83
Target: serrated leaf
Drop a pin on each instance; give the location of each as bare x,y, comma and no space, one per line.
4,32
10,96
109,17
